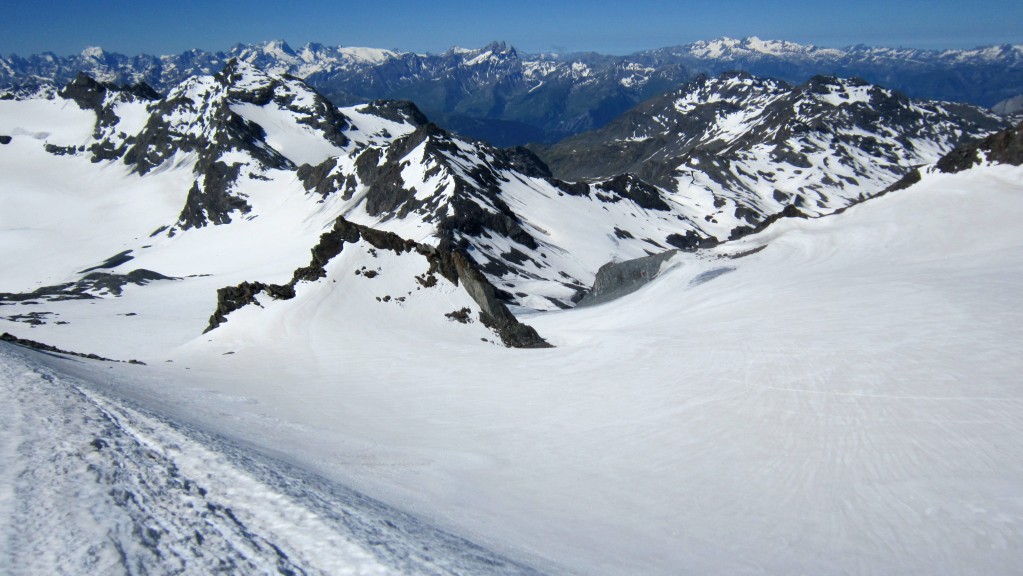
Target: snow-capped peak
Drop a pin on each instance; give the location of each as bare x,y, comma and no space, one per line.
726,48
362,55
495,51
279,49
93,52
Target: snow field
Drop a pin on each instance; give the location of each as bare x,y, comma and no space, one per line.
93,485
844,401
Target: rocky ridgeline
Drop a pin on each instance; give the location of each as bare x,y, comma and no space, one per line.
453,265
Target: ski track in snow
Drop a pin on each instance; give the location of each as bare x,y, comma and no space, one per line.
91,486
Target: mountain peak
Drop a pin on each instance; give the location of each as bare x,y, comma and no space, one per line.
495,48
498,46
278,48
93,52
726,47
368,56
237,71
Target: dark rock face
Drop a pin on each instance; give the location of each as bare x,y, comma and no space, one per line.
493,313
616,279
1005,147
322,178
462,315
521,160
401,111
62,150
630,187
905,182
5,140
211,202
691,241
86,92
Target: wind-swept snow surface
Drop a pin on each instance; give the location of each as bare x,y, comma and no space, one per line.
92,486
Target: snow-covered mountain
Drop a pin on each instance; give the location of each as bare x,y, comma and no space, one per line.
506,97
981,76
216,193
861,368
204,183
738,149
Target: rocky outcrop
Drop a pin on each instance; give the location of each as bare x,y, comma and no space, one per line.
790,211
210,201
1005,147
26,343
87,92
102,98
493,313
324,179
231,298
92,285
690,241
401,111
630,187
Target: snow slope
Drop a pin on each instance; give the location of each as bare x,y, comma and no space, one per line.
844,400
91,485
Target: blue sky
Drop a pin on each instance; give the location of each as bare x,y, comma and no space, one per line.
67,26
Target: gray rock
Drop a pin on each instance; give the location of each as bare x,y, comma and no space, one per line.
616,279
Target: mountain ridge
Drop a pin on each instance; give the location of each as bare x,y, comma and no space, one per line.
508,97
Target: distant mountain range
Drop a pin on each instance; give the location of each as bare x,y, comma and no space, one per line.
498,94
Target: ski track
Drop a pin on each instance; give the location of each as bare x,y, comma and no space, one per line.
92,486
